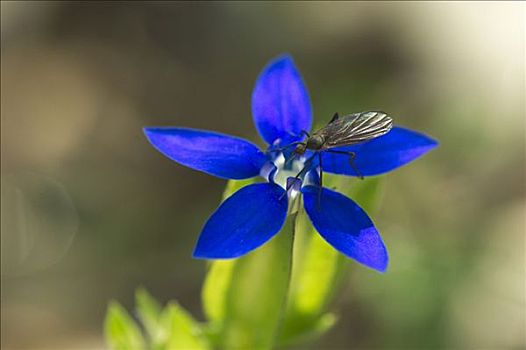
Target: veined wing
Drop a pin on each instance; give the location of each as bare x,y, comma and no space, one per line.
355,128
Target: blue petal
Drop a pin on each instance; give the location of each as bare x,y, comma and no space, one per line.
243,222
383,154
216,154
280,102
345,226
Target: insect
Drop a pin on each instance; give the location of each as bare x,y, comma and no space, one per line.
347,130
343,131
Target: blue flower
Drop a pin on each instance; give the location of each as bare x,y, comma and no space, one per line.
281,109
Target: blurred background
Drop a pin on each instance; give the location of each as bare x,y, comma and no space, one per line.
90,210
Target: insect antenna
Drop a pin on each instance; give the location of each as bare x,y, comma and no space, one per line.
303,132
336,116
285,147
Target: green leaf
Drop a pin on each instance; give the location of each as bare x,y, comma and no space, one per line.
319,269
149,312
181,331
120,329
257,294
367,193
215,288
219,275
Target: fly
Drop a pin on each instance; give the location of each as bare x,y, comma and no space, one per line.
343,131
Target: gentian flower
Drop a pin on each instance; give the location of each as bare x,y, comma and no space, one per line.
281,110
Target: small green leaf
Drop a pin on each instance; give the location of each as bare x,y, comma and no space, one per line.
120,329
257,294
214,291
181,331
149,312
317,270
367,193
320,270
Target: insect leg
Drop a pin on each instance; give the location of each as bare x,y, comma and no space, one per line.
290,160
351,155
305,168
302,171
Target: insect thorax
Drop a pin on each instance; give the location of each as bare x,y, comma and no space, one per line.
315,142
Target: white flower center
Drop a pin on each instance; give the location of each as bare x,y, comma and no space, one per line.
285,171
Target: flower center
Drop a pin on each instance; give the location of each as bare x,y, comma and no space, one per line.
290,174
284,169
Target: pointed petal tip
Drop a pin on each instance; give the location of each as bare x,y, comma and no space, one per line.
147,130
379,265
433,143
378,262
428,141
150,133
284,57
381,268
428,144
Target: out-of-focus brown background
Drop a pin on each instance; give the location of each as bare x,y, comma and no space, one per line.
90,211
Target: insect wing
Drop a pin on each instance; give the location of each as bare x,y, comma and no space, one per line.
356,128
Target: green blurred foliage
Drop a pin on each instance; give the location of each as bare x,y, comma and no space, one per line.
167,329
149,311
181,330
89,208
121,330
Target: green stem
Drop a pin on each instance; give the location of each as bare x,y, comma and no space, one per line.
256,299
289,283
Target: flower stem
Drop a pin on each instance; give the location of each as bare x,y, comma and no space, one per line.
256,299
